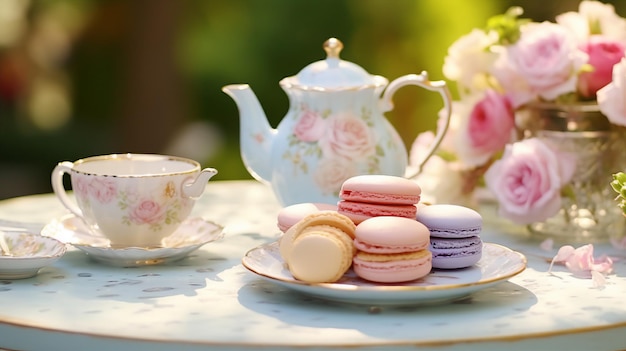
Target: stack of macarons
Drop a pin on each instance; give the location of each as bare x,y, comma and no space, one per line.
391,250
454,235
319,248
377,229
367,196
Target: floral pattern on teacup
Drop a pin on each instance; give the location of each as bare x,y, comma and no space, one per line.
146,211
161,207
339,142
101,189
155,211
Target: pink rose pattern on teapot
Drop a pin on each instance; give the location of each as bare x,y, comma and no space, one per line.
339,141
161,208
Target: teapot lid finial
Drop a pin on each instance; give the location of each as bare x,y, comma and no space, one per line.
333,47
332,73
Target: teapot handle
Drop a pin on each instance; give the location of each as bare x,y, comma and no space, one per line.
422,81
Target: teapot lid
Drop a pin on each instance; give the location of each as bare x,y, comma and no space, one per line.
333,73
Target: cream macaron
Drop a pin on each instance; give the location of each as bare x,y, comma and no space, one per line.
319,248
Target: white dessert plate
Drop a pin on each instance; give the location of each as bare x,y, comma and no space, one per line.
498,264
28,253
191,235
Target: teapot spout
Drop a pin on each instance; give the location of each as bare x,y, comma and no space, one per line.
256,134
195,188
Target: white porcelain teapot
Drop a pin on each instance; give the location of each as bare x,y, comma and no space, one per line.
334,129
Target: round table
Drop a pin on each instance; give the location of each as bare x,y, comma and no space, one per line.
208,300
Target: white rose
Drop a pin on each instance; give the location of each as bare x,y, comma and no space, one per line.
442,183
601,16
612,97
468,59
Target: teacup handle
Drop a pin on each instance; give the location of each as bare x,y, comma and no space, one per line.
59,190
422,81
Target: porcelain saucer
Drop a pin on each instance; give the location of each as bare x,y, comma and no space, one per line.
191,235
28,253
498,264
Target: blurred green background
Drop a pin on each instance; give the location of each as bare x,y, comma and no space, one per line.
87,77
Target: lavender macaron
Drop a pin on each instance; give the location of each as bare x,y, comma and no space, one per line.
454,235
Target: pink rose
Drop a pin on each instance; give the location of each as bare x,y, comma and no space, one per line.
80,185
148,211
603,54
480,126
612,97
348,137
527,181
102,189
545,58
491,123
310,127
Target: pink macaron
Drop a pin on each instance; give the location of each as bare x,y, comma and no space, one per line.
380,189
360,211
391,250
368,196
454,235
290,215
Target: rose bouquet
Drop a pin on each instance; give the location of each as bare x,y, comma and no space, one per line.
501,70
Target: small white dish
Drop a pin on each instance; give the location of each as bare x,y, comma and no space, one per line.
191,235
28,254
498,264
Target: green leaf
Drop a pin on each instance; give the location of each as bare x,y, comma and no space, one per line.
620,177
380,151
617,187
507,25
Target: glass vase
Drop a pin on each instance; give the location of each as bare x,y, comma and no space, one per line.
589,213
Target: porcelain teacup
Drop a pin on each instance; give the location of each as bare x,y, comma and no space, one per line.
134,200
